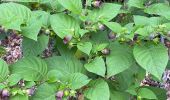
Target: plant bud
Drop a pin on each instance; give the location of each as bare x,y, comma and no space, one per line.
111,35
30,91
59,94
152,36
101,27
97,3
66,92
72,93
5,93
105,51
67,39
47,31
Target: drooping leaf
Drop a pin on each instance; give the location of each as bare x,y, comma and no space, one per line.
159,9
105,13
4,71
76,80
96,66
34,48
30,68
146,93
115,27
98,90
120,59
136,3
153,58
19,97
13,15
63,25
72,5
44,92
85,47
14,79
70,64
145,21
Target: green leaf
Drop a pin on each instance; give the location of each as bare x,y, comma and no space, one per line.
153,58
73,5
144,21
45,92
32,29
70,64
13,15
146,93
63,25
34,48
14,79
4,71
76,80
96,66
115,27
55,75
119,95
98,90
30,68
159,9
24,0
19,97
85,47
43,17
120,59
2,86
136,3
105,13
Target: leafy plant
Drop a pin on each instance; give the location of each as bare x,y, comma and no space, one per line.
84,49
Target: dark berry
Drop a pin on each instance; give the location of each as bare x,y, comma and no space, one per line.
105,51
5,93
67,39
101,27
111,35
30,91
59,94
97,3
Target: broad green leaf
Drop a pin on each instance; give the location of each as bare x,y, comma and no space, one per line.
73,5
136,3
32,29
145,21
96,66
146,93
153,58
119,95
63,25
30,68
85,47
69,64
120,59
115,27
13,15
13,79
19,97
159,9
145,31
76,80
99,47
34,48
44,92
55,75
97,90
105,13
24,0
4,71
43,17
